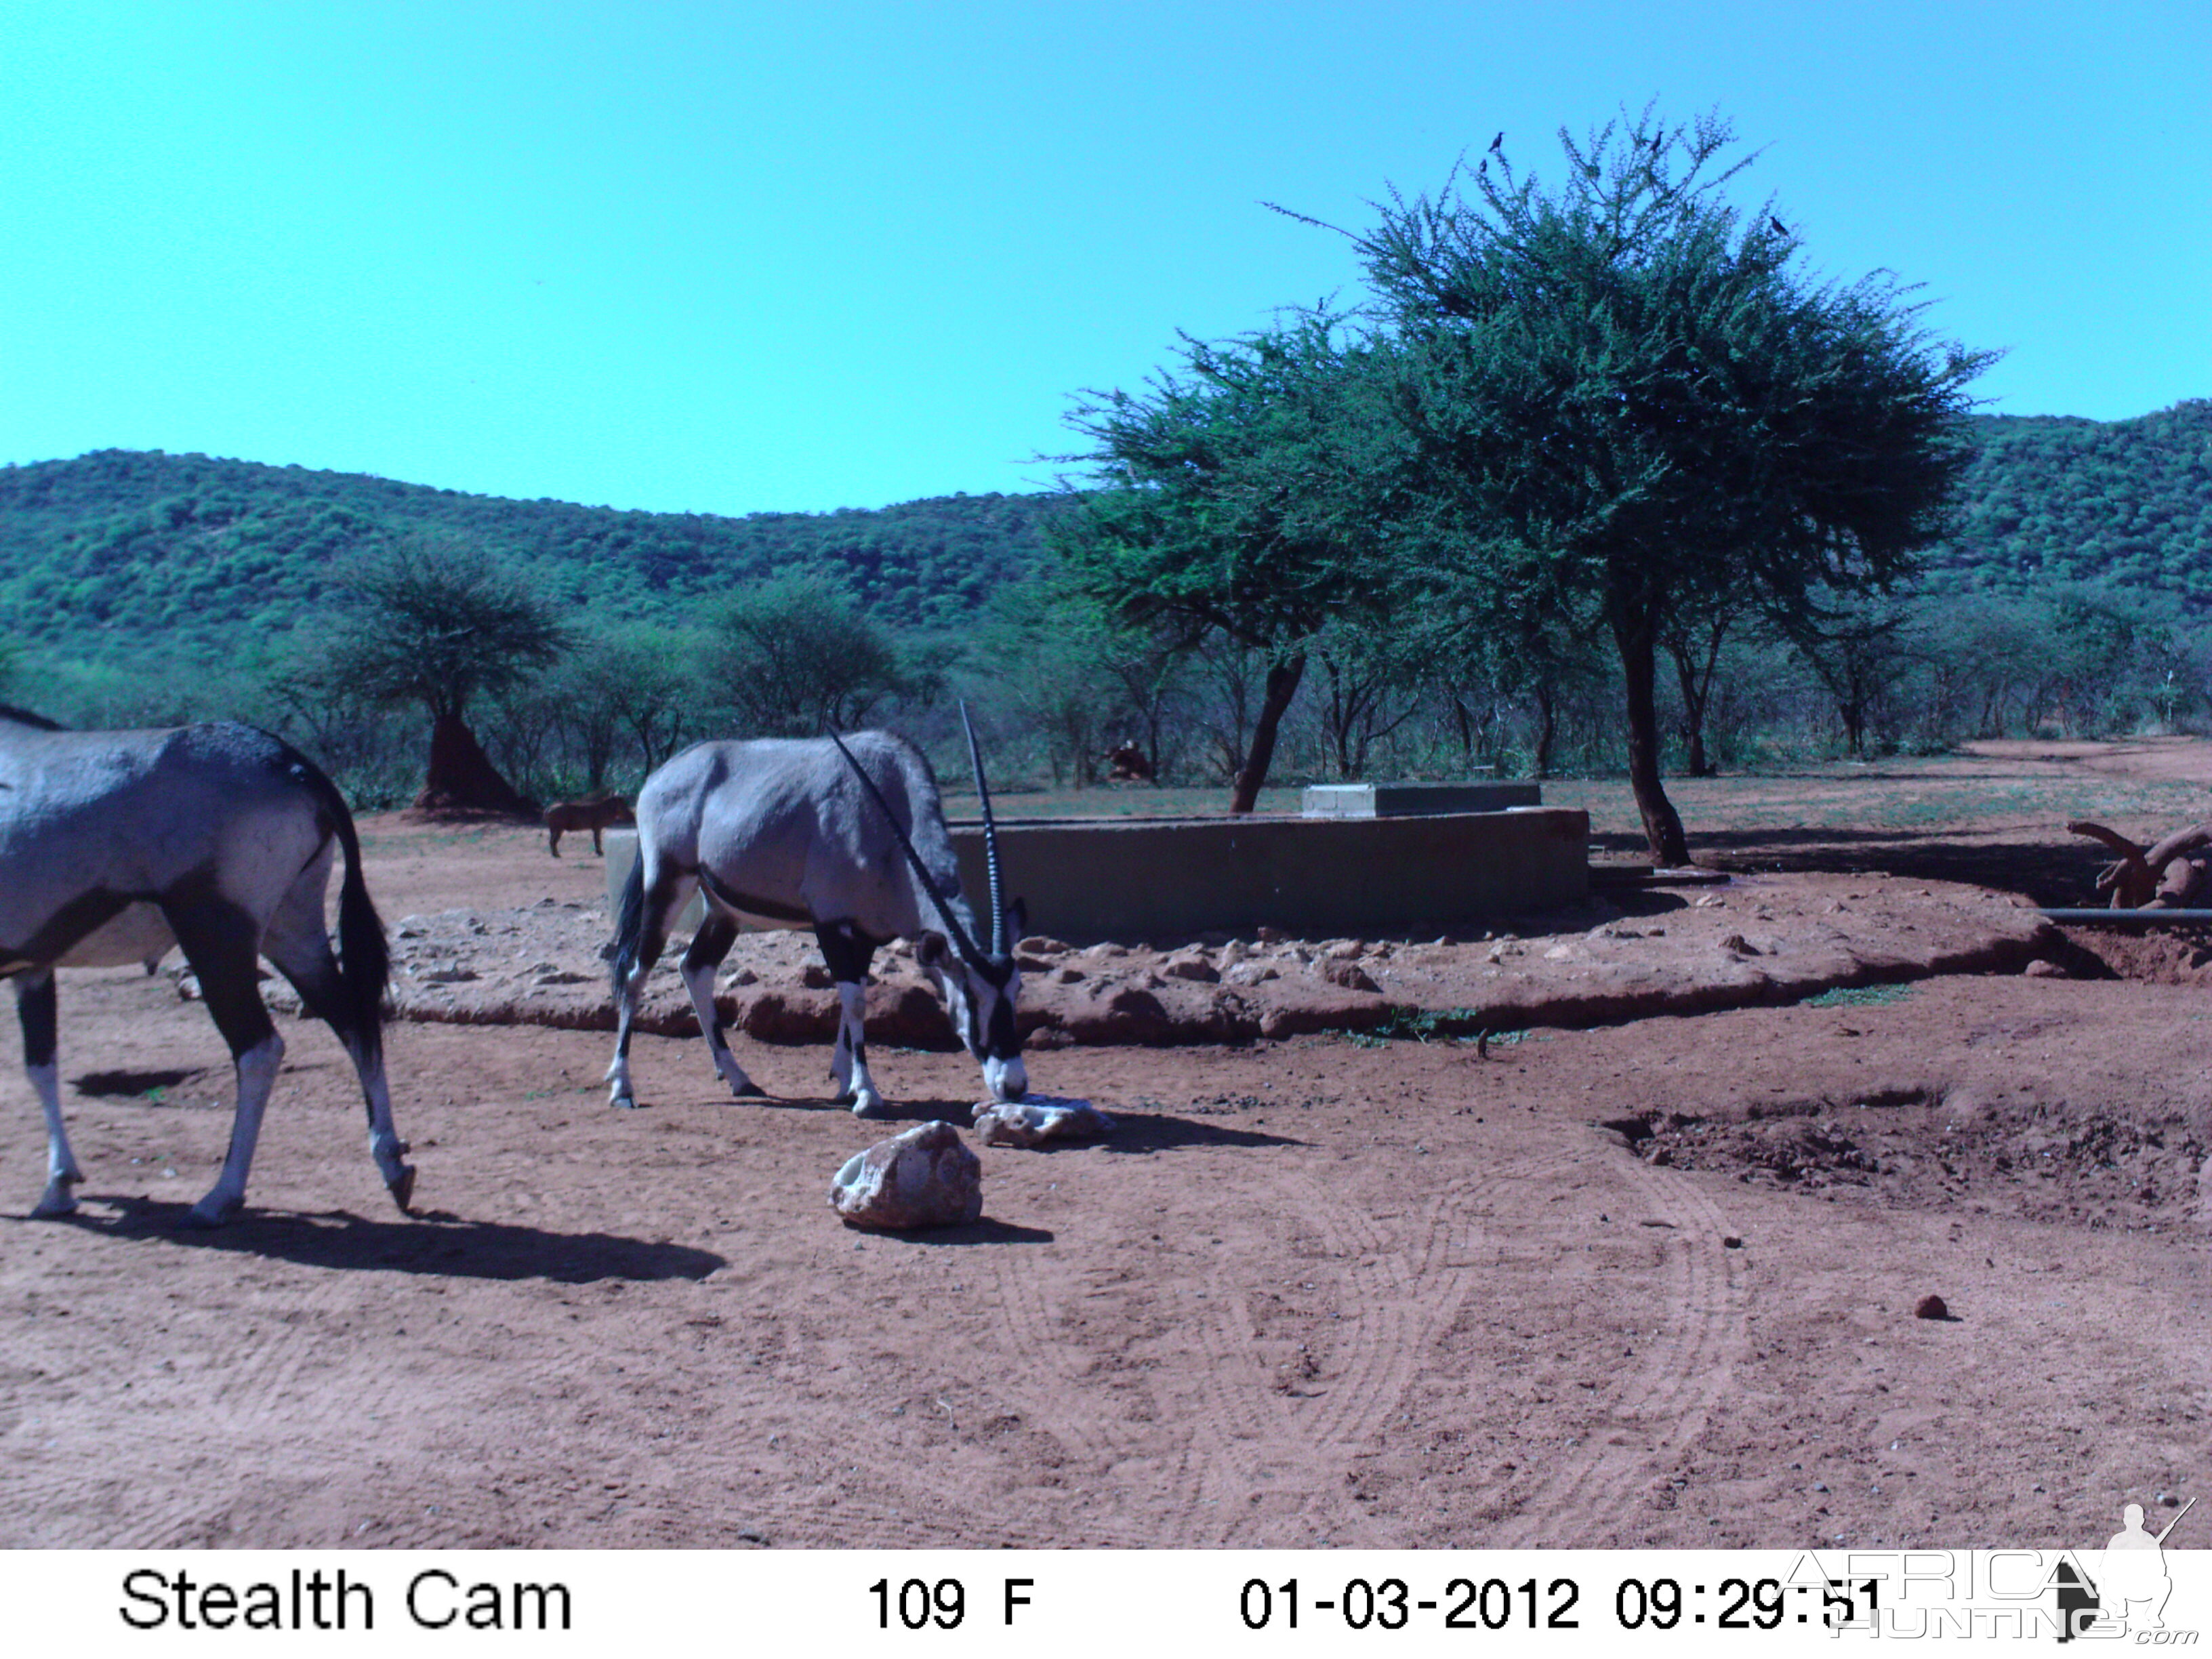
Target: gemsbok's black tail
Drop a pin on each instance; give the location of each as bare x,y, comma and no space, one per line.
629,926
364,954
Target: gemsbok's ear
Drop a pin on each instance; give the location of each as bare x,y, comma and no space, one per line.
930,950
1017,920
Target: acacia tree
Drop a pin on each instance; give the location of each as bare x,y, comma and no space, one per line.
634,680
436,624
1629,402
795,656
1245,497
1861,650
1067,667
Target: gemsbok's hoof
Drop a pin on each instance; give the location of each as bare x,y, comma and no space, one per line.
208,1214
623,1102
404,1189
870,1106
57,1202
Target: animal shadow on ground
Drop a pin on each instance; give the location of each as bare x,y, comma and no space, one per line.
127,1083
893,1111
985,1231
1631,902
438,1244
1147,1131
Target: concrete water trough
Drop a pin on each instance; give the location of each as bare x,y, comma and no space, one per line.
1314,877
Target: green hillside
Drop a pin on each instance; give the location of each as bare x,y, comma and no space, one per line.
121,554
2052,500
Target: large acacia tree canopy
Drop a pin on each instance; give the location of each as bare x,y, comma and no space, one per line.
1626,378
1627,403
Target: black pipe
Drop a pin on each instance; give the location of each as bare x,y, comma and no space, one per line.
2081,917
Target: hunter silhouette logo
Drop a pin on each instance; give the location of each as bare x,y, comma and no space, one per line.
2131,1585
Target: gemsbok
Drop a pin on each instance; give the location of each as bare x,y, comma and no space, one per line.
845,835
116,844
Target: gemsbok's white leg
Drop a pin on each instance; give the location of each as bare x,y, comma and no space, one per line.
298,943
61,1171
699,980
849,1062
257,1075
385,1144
35,1006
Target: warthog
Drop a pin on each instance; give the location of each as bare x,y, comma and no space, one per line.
564,815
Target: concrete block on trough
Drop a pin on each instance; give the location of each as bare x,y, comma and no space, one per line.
1405,800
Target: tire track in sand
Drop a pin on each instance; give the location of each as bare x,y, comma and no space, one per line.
1681,1370
1236,1450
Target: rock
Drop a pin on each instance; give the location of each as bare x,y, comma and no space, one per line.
1350,975
1737,945
926,1177
1140,1006
1039,945
1041,1117
1191,965
1930,1307
2040,969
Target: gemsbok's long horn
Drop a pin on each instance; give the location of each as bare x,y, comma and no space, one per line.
960,939
990,840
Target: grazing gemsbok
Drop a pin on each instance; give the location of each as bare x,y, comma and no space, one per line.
115,845
845,835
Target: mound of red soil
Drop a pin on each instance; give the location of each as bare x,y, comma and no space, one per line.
1760,940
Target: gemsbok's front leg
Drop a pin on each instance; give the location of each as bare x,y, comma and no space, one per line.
35,1009
848,951
716,934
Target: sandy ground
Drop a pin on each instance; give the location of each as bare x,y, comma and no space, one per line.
1648,1281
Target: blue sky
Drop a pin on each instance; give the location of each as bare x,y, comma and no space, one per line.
732,258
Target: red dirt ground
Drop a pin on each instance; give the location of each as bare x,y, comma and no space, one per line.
1648,1282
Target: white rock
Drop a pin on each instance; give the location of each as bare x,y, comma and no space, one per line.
1041,1117
926,1177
